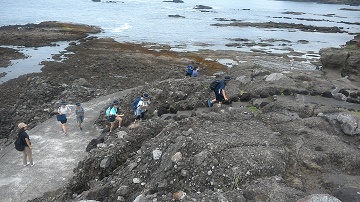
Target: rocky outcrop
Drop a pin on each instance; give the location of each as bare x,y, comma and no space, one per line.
346,61
228,153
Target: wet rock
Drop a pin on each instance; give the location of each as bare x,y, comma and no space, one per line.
339,96
245,97
327,94
105,163
319,198
347,194
202,7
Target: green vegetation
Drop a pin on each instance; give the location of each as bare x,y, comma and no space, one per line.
236,180
254,109
356,113
351,47
257,66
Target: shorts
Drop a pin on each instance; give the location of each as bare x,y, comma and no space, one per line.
80,119
112,118
63,121
219,97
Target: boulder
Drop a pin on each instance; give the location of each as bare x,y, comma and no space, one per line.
348,62
349,123
333,58
275,77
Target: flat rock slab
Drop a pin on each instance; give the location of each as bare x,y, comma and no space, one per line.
327,101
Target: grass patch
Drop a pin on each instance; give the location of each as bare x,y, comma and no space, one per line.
351,47
236,181
254,109
356,113
257,66
242,92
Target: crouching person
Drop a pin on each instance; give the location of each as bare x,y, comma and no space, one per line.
141,107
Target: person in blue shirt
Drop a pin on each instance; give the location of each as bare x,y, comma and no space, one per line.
27,153
114,115
189,71
220,93
79,112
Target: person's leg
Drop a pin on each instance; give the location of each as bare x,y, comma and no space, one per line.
25,157
137,114
112,122
63,126
80,119
219,99
111,126
29,154
119,119
142,115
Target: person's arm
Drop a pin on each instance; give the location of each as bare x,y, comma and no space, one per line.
28,142
118,113
69,110
141,104
224,94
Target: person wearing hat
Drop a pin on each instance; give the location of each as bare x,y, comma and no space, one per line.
195,71
63,110
189,71
27,153
142,106
79,112
114,115
220,93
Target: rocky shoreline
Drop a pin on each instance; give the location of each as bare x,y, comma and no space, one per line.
277,140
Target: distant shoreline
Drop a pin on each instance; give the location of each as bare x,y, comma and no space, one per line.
346,2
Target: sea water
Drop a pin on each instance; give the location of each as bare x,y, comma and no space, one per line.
148,21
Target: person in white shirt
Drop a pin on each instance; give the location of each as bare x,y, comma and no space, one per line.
63,110
142,107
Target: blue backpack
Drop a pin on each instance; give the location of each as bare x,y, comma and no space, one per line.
107,112
134,105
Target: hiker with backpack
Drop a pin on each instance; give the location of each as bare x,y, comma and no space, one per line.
79,113
63,110
25,141
113,113
189,71
219,90
140,106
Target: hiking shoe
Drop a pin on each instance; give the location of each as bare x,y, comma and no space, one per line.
210,104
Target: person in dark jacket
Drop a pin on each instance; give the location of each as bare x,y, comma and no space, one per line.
27,153
220,93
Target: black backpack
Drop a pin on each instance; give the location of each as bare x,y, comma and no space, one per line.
214,84
19,144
